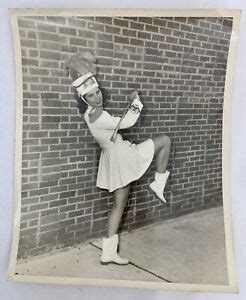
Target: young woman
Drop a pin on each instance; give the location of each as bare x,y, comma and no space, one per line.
121,161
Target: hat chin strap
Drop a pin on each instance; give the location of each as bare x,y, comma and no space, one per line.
82,97
89,106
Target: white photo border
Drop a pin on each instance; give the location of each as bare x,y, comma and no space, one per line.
226,148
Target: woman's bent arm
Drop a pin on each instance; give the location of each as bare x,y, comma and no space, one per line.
106,121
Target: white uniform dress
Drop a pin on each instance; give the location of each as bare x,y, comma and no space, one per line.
121,162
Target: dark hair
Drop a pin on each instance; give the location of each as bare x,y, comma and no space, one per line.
81,105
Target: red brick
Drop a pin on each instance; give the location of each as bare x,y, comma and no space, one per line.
112,29
129,33
95,26
159,22
106,20
121,23
46,36
76,213
30,62
136,42
47,237
67,31
49,64
45,27
121,40
136,26
28,43
58,203
57,20
29,216
67,194
49,119
76,23
31,35
25,23
50,55
151,28
85,34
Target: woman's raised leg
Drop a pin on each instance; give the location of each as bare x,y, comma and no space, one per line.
162,150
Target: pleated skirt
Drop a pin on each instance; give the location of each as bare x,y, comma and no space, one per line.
123,162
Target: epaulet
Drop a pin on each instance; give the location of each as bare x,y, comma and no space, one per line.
94,114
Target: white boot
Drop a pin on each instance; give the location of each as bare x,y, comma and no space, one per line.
159,184
109,254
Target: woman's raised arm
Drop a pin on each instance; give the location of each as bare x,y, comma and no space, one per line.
107,121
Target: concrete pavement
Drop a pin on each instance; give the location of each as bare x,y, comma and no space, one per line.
189,249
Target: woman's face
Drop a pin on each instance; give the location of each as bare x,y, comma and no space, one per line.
94,97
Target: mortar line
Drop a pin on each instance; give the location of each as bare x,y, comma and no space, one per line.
139,267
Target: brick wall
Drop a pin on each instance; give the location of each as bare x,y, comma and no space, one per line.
178,64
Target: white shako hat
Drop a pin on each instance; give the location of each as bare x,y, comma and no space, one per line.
82,68
85,83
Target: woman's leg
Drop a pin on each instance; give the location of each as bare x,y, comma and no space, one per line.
162,150
110,244
120,201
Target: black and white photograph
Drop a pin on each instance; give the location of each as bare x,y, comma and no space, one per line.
121,156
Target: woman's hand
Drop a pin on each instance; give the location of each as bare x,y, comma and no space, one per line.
135,104
134,95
